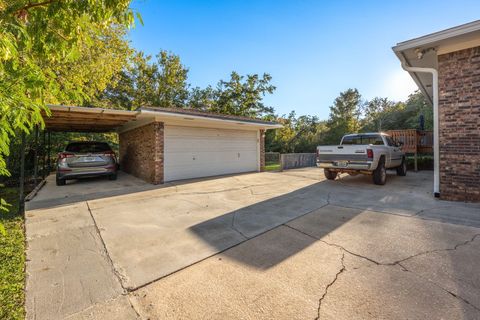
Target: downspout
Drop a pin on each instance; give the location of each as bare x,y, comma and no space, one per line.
436,130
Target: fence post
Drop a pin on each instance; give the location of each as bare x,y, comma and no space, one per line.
282,161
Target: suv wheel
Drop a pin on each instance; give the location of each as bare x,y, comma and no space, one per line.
112,177
60,182
331,175
402,170
380,173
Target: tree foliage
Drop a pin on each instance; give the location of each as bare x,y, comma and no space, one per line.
240,96
297,134
49,50
164,83
344,115
348,114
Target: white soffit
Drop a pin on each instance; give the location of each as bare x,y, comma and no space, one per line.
424,51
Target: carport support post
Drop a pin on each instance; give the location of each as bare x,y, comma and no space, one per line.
43,155
416,158
35,159
21,186
48,153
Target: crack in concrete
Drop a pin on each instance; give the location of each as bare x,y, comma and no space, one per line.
458,245
133,307
440,287
235,228
117,274
133,289
93,305
329,285
399,262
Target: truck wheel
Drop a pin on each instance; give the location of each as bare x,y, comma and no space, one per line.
331,175
380,173
402,170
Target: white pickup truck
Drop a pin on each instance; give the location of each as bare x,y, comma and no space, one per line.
366,153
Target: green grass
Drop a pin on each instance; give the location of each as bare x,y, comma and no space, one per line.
272,166
12,259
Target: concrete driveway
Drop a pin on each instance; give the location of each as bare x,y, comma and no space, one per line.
283,245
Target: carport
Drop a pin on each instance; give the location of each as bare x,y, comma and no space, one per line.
70,119
161,145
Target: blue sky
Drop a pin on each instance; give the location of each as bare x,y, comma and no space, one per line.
313,49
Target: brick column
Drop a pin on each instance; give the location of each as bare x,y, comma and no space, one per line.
159,153
262,150
142,152
459,117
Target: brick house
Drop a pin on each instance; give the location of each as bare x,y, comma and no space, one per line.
446,67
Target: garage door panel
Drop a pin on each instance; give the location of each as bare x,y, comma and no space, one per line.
200,152
181,146
246,159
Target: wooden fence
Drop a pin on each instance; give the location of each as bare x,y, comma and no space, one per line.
414,141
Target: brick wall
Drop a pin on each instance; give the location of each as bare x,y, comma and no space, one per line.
141,152
262,150
459,116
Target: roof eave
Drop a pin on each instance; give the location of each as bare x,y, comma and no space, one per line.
438,36
253,122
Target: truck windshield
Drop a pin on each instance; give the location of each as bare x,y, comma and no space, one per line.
363,139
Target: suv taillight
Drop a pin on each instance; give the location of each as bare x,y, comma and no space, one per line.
369,153
63,155
110,154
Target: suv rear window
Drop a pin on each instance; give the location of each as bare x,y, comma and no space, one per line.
88,147
363,139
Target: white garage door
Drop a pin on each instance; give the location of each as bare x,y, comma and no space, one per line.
201,152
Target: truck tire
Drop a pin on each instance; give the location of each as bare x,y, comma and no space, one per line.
380,173
402,170
331,175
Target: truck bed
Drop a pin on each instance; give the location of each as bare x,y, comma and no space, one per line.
344,157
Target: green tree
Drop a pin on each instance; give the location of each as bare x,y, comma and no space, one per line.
161,83
376,113
298,134
344,115
240,96
243,95
202,99
39,42
382,114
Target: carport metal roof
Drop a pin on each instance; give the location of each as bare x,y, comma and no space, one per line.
85,119
82,119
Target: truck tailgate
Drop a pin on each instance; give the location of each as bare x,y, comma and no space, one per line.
342,153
